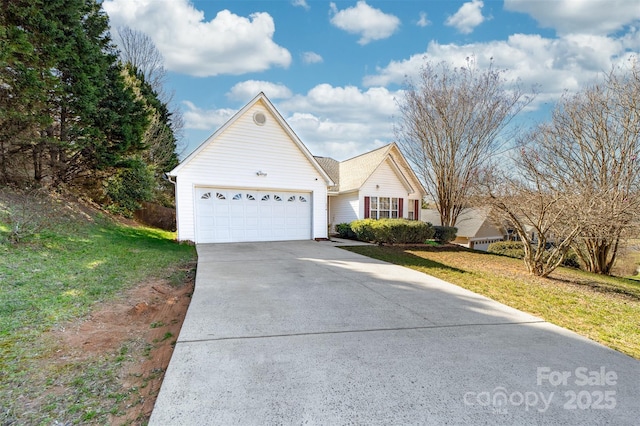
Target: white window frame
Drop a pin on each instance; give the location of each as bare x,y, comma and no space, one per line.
384,207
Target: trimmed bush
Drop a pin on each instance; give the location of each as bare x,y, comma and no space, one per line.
507,248
363,229
392,231
445,234
344,230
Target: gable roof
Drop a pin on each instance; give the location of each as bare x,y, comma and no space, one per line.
351,174
261,97
332,167
469,223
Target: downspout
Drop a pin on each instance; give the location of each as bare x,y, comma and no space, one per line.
168,178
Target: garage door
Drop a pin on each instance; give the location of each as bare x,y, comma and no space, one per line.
232,215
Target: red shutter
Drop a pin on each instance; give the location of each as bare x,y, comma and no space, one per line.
367,206
400,205
416,209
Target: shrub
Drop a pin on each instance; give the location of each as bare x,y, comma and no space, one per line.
392,231
156,215
445,234
26,213
345,231
571,260
363,229
507,248
129,187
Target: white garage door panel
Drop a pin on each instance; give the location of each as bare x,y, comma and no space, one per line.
232,215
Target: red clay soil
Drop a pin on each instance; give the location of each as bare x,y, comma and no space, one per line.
148,317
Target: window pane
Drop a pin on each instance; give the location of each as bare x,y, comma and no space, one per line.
394,203
394,214
384,203
384,214
374,203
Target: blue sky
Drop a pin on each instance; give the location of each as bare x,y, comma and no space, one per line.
335,70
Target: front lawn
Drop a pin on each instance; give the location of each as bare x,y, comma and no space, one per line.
74,264
605,309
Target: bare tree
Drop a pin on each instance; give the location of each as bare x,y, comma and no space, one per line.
539,211
451,126
166,122
139,50
591,147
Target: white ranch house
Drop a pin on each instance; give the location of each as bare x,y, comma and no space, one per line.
254,180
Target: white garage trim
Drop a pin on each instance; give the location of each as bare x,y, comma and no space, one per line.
243,214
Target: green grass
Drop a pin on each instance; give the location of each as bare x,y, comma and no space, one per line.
58,275
62,275
603,308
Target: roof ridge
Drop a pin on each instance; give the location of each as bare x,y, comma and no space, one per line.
387,146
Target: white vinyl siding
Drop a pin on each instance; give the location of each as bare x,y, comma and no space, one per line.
344,208
235,157
384,182
483,245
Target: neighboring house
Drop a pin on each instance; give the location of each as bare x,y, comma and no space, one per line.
254,180
476,230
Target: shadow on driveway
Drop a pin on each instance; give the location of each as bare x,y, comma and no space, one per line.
303,332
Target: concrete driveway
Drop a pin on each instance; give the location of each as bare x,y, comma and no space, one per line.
307,333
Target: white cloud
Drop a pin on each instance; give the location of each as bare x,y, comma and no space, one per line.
337,122
370,23
247,90
423,21
580,16
301,3
227,44
554,65
467,17
311,58
342,122
200,119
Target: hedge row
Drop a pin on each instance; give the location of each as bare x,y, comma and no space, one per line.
387,231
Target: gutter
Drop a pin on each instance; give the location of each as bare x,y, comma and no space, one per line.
168,177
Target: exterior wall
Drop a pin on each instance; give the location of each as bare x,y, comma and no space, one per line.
343,209
483,244
236,155
384,182
413,180
489,231
462,241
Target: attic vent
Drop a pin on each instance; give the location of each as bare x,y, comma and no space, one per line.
259,118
